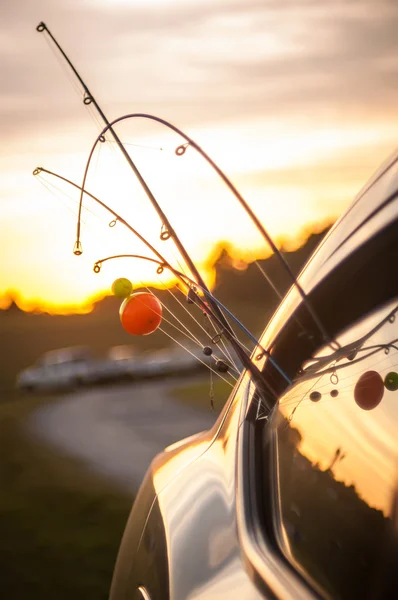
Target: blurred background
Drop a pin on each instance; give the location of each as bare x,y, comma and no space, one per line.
296,102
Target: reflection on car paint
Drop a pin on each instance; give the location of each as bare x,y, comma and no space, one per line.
338,463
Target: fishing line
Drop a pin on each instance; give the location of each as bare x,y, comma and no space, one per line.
97,159
296,407
135,145
374,350
89,98
261,404
183,269
355,375
181,150
192,339
352,347
89,224
191,336
185,280
307,377
201,361
280,296
67,72
225,313
188,335
201,326
247,363
170,233
59,197
268,279
211,391
225,352
93,114
208,320
306,402
161,261
217,313
77,89
224,344
233,365
177,259
47,185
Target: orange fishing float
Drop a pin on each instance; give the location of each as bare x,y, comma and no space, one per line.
141,313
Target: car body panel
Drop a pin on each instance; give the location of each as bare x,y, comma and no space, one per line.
194,507
211,529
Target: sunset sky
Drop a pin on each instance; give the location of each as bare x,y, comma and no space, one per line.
295,100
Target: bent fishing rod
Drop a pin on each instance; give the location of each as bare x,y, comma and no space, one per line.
187,282
169,231
180,150
89,98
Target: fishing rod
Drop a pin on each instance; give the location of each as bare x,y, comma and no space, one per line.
206,350
160,268
116,216
180,150
169,232
183,278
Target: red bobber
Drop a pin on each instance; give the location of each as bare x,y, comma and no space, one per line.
141,313
369,390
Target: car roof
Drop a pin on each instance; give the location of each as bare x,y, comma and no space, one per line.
64,355
373,208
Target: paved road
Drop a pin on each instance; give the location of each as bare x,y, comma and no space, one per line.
118,430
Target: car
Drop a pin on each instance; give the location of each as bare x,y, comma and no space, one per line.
293,493
114,367
57,370
120,365
169,361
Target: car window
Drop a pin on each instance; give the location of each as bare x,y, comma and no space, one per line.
375,207
333,430
336,440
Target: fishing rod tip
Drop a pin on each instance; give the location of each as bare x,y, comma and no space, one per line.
41,27
77,248
37,171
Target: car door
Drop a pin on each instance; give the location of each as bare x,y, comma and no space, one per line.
318,461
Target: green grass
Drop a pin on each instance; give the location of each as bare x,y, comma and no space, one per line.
60,526
198,394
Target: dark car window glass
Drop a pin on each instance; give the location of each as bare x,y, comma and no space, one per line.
336,433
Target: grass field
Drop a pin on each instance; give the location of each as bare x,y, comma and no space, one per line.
60,526
198,394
